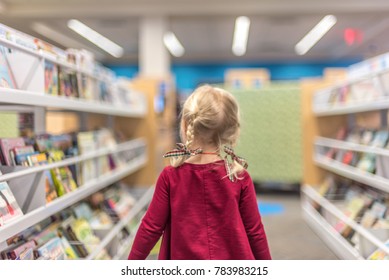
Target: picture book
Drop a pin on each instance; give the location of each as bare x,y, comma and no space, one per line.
380,139
62,176
43,236
37,159
68,85
83,210
379,254
69,251
22,159
50,190
51,78
87,88
15,253
67,231
6,145
52,250
87,144
354,206
6,78
9,208
367,163
27,254
85,234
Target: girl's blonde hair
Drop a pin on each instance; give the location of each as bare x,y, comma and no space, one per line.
211,116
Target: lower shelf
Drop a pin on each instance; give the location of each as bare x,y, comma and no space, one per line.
334,240
141,204
65,201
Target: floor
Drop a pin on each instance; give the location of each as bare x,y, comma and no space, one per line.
289,237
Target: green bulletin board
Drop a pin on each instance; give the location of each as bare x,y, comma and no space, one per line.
271,132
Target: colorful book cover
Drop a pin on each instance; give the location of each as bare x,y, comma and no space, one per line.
68,84
6,145
27,254
9,208
37,159
16,252
22,159
69,251
52,250
50,190
51,78
62,176
379,254
6,78
86,144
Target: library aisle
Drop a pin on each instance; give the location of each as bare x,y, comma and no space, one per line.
290,238
89,123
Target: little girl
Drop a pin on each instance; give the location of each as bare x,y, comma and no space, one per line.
205,204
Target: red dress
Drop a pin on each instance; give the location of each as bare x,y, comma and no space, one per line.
202,215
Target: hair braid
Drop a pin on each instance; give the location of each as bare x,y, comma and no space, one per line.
190,132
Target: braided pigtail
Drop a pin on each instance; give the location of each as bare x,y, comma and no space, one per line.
179,160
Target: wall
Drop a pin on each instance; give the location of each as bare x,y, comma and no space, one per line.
188,76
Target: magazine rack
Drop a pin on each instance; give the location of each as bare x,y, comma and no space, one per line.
26,68
362,99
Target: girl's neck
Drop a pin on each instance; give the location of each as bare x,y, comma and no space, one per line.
210,154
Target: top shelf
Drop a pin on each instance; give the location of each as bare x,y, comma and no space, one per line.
21,97
358,107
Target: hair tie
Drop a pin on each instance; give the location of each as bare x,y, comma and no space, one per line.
230,152
182,150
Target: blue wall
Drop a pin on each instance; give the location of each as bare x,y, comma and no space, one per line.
188,76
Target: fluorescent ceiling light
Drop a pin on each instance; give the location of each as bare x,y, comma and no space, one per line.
315,34
172,44
54,35
96,38
241,35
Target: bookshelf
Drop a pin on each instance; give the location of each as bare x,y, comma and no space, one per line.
31,96
322,227
141,204
358,103
45,211
22,97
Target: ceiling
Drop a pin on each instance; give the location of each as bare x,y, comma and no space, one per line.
205,27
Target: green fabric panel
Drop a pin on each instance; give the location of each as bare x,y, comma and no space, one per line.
271,132
9,125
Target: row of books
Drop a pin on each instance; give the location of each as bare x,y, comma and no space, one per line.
369,89
75,232
83,59
368,162
43,149
366,206
94,83
61,81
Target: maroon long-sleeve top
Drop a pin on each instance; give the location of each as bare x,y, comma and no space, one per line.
202,215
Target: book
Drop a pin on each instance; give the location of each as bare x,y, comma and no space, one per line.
68,85
52,250
14,252
67,231
86,144
62,176
6,145
51,78
37,159
9,208
69,251
22,159
379,254
27,254
6,78
50,190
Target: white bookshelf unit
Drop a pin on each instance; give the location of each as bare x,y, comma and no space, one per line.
363,98
27,98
